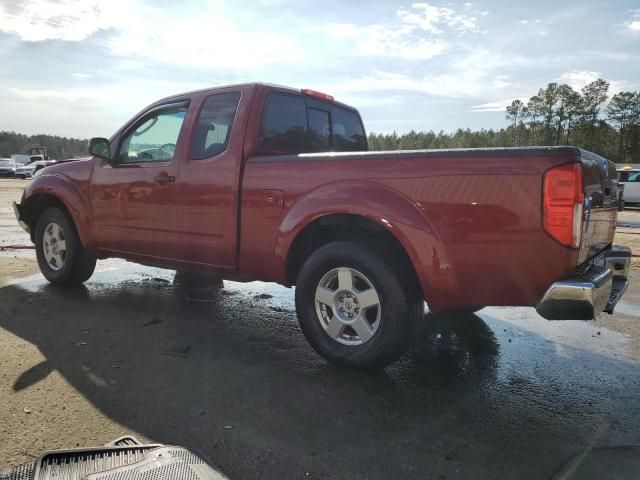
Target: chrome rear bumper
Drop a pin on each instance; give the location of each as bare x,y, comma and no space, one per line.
597,289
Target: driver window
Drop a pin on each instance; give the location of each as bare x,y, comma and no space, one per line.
155,139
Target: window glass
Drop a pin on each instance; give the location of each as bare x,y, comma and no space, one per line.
629,176
284,124
348,134
319,129
155,139
214,125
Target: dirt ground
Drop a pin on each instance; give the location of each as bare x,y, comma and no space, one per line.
501,394
15,261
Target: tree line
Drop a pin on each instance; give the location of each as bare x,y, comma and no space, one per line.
556,115
58,148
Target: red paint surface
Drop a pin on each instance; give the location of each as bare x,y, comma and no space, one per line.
471,225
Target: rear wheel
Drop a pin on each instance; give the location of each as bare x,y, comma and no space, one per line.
354,308
61,257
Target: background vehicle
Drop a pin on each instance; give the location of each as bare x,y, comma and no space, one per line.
217,180
38,153
7,167
21,159
630,179
29,170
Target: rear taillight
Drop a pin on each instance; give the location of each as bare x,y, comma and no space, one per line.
563,204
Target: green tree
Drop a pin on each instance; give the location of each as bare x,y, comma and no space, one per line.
534,113
568,110
624,110
594,96
515,113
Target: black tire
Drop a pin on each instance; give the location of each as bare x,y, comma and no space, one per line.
77,265
402,306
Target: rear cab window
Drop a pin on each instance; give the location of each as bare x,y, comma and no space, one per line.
300,124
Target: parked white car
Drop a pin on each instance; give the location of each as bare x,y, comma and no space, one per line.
7,167
29,170
630,178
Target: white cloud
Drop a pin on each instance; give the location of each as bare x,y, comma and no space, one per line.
430,18
140,30
523,22
191,41
419,32
501,81
380,40
490,106
498,106
634,23
617,86
579,78
39,20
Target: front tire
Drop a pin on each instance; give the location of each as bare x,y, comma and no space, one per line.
354,308
61,257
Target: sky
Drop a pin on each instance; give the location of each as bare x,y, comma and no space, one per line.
81,68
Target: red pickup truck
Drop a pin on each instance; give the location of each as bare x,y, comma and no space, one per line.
261,182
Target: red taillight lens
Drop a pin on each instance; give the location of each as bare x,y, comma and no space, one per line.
563,203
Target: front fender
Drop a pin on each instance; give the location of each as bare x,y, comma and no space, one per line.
402,217
74,197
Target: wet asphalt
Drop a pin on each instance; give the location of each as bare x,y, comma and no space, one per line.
225,371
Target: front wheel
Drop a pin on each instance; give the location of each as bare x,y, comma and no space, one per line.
354,308
61,257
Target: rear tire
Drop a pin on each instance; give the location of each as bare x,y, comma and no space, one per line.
61,257
336,294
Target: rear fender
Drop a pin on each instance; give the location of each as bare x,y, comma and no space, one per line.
402,217
60,187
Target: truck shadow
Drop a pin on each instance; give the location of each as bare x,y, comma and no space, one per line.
232,377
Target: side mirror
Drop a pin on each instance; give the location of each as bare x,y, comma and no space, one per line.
100,147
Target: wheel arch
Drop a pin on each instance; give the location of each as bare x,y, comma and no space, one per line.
54,191
322,215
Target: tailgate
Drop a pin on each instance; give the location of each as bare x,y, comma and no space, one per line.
600,183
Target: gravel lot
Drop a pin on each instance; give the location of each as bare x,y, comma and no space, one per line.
501,394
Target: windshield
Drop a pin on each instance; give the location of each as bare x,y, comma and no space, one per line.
7,163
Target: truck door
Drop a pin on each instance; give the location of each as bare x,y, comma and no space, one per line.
133,200
209,179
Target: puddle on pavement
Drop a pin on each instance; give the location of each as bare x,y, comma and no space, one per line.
114,276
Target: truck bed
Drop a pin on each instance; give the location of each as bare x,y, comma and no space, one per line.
476,213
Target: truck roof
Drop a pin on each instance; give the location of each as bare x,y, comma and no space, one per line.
273,86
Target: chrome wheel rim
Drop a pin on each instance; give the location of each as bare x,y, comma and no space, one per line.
348,306
54,246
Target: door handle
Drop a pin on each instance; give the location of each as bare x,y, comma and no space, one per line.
164,178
